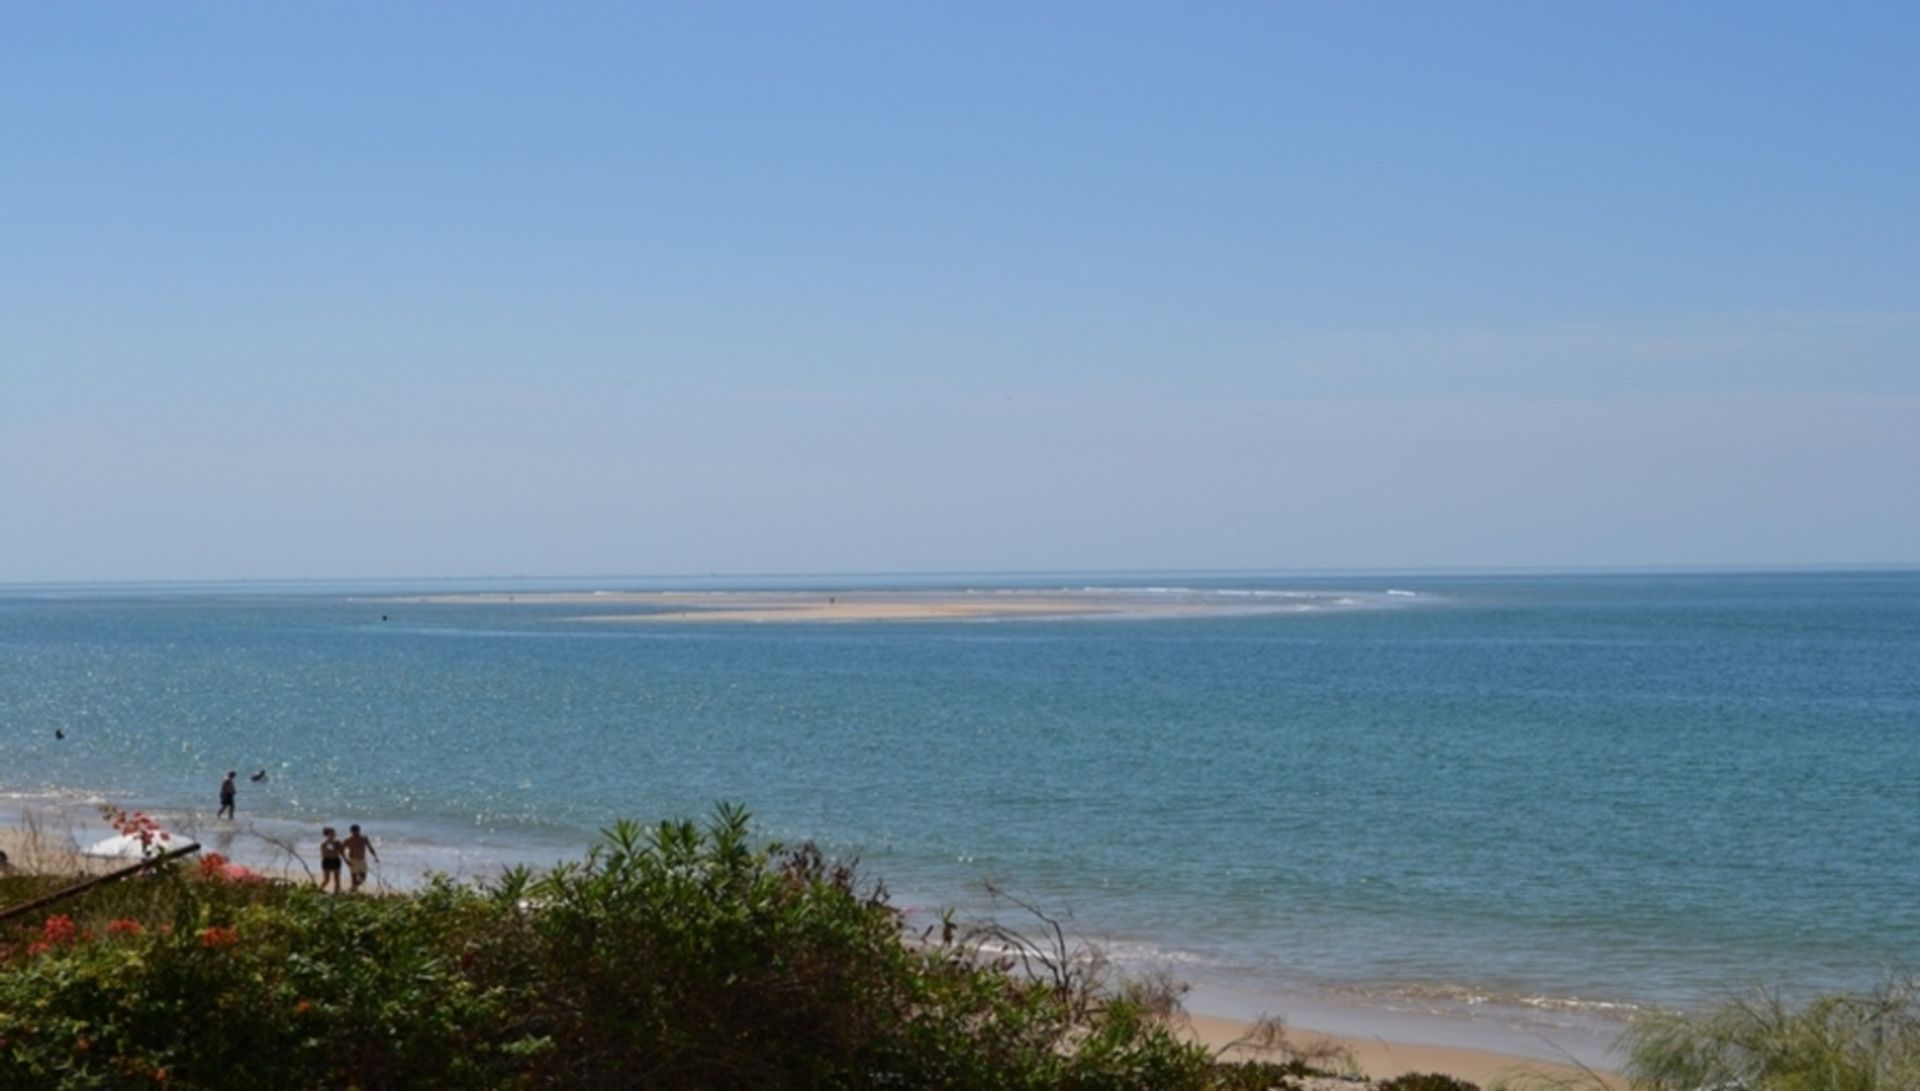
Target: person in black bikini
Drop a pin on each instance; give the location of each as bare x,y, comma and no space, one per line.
330,850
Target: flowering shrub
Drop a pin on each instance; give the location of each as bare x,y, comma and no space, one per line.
153,838
680,956
217,868
58,931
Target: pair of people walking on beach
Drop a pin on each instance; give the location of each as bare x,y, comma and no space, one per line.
353,852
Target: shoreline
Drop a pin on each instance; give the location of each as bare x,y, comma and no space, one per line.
48,835
1471,1044
1375,1053
1379,1043
1380,1058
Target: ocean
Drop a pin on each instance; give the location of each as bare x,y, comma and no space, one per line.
1527,804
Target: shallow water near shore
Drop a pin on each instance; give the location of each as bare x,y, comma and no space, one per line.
1533,801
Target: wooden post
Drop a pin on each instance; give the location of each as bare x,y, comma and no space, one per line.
98,880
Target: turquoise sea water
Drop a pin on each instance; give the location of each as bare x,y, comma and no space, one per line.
1553,794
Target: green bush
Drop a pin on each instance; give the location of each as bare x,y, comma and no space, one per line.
222,985
676,957
1427,1081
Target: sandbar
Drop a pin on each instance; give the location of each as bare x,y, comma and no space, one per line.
735,607
669,607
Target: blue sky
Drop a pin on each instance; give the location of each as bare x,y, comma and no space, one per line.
361,290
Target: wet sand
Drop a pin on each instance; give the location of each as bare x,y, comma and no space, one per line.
1380,1059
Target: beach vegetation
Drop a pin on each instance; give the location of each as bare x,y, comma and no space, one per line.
1864,1041
1426,1081
678,955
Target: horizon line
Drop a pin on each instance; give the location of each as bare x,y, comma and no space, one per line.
1755,568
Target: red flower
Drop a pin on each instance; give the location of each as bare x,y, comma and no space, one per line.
216,936
125,926
59,929
138,825
301,1007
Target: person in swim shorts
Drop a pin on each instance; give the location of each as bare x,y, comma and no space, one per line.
358,846
227,791
330,850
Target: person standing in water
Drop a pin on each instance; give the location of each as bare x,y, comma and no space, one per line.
330,849
358,846
227,790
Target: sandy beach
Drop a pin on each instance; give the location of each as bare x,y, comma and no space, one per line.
55,847
1380,1059
52,850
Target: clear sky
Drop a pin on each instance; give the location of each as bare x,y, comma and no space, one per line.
361,290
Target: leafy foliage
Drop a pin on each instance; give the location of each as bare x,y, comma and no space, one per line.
1427,1081
674,956
243,984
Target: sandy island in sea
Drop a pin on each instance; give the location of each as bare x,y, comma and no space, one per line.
50,851
666,607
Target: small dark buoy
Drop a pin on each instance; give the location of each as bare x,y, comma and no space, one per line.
383,617
59,734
